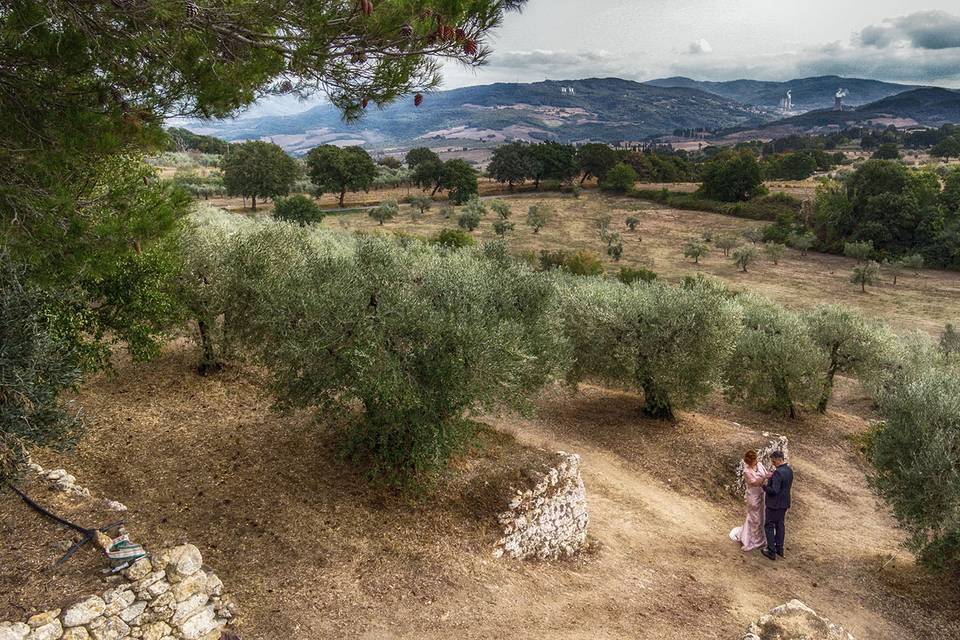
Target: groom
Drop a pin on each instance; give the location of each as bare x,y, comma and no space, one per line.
778,501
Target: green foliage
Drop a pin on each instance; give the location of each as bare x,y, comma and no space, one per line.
913,261
743,256
576,190
390,162
629,275
596,160
850,345
695,250
615,246
753,234
454,238
179,139
551,161
950,341
947,148
447,211
671,342
632,222
620,178
893,268
775,364
539,216
386,210
581,263
413,336
501,208
299,209
732,177
790,166
510,164
859,250
887,151
338,170
501,226
469,219
726,243
421,203
916,459
865,274
35,368
460,179
258,169
419,155
802,241
774,251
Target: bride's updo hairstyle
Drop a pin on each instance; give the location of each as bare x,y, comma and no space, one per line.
750,458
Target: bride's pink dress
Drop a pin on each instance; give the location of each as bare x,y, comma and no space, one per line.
751,535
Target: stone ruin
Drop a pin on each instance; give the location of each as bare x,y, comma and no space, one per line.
169,596
549,520
776,442
795,621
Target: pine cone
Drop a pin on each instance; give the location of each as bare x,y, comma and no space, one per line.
366,6
418,100
406,31
191,8
470,47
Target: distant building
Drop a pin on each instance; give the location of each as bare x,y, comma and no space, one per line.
838,99
568,91
786,102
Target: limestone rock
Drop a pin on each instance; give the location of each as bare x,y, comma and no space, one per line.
43,619
200,624
49,631
112,628
156,631
76,633
183,561
13,630
795,621
133,612
83,612
139,569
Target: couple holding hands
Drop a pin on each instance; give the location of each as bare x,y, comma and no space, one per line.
768,498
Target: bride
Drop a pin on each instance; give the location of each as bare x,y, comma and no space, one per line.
750,535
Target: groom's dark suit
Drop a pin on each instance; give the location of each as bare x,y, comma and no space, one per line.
778,501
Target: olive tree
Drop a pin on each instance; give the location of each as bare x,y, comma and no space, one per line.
861,251
632,222
538,216
695,251
913,261
471,214
414,336
893,268
775,365
774,251
670,342
802,242
743,256
502,226
385,211
726,243
865,274
615,246
501,208
421,203
850,345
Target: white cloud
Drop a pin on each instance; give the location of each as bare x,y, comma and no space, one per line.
931,30
700,46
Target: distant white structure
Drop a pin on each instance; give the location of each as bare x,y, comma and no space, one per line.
838,99
786,102
568,91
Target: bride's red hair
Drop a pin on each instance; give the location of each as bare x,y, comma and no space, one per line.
750,457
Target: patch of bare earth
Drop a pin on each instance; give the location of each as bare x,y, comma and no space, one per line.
311,552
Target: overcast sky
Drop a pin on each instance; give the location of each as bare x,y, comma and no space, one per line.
916,42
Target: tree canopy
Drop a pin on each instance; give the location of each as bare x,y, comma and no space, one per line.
340,169
258,169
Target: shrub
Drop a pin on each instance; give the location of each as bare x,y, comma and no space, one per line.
775,365
446,211
584,263
859,250
576,189
695,251
386,210
753,234
802,241
415,337
469,220
629,275
454,238
615,246
774,251
632,222
501,226
913,261
732,177
538,216
299,209
620,178
501,208
35,368
671,342
727,242
743,256
865,274
421,203
950,341
893,268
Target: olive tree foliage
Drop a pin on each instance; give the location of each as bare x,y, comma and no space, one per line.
539,216
850,345
802,241
415,336
35,367
774,251
915,451
385,211
743,256
299,209
866,274
695,250
670,342
775,365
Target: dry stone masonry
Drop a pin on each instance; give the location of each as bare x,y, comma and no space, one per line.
171,596
795,621
776,443
549,520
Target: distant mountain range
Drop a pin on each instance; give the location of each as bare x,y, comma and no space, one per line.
598,109
807,94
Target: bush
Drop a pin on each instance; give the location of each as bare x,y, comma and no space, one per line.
582,263
775,365
632,222
413,336
502,226
454,238
774,251
538,216
732,177
802,241
743,256
35,368
914,261
867,274
726,243
386,210
859,250
298,209
695,251
421,203
501,208
615,246
671,342
620,178
629,275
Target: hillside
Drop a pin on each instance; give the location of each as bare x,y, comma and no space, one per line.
808,93
607,109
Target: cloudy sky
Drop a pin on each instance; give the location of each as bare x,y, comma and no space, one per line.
916,41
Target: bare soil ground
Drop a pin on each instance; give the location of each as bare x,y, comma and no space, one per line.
311,552
925,301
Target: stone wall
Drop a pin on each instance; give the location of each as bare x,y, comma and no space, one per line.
169,596
549,520
776,442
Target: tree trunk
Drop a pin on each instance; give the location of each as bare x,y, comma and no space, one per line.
253,202
583,179
343,194
656,403
434,192
210,363
863,286
828,382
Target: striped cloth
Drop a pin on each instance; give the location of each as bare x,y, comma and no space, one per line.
122,550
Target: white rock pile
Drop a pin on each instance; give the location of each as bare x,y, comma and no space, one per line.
169,597
795,621
776,443
549,520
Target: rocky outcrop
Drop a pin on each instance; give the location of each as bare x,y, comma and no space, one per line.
549,520
776,442
171,596
795,621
